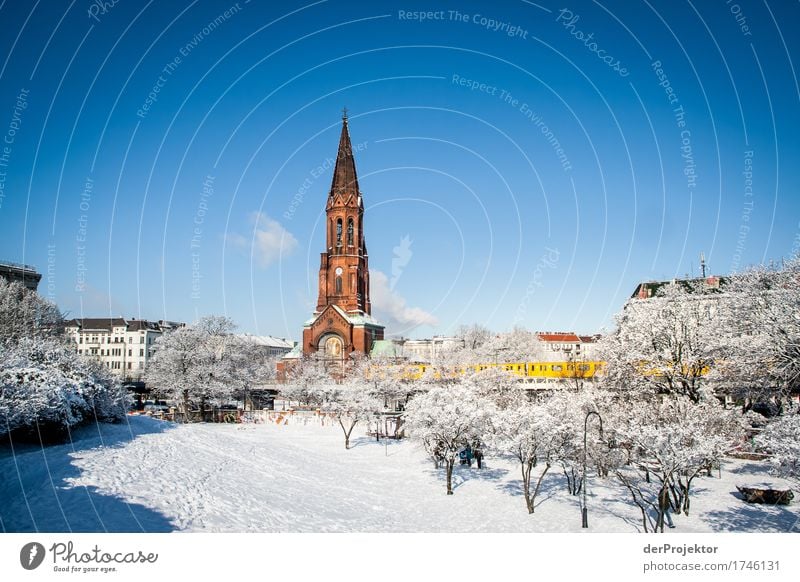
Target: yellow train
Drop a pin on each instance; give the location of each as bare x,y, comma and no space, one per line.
524,370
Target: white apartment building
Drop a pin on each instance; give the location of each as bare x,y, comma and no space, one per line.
124,346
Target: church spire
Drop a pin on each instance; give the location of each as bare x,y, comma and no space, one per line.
345,180
342,321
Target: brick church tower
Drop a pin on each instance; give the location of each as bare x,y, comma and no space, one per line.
342,322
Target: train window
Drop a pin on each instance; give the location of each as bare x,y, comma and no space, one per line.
583,367
556,368
570,367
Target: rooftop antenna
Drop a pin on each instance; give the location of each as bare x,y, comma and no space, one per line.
703,264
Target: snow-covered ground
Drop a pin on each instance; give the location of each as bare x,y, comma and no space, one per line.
147,475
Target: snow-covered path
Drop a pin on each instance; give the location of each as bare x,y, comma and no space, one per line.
153,476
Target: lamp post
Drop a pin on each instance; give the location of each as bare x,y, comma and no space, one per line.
585,510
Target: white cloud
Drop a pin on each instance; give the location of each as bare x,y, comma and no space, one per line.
391,308
270,240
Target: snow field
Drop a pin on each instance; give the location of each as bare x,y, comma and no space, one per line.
146,475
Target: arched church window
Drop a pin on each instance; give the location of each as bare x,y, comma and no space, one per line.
338,232
350,232
338,284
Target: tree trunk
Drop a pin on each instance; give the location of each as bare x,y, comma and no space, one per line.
526,484
347,432
664,503
450,463
186,406
538,485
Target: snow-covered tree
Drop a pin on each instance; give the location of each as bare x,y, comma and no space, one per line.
518,345
529,434
664,344
474,336
502,388
253,366
46,389
197,363
387,381
173,369
351,403
307,381
568,409
218,369
25,314
760,327
669,441
445,419
781,439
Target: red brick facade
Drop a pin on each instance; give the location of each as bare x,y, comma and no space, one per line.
342,322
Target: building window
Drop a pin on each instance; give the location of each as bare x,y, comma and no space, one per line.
130,352
141,353
141,339
350,232
130,340
141,365
338,290
338,232
80,340
129,365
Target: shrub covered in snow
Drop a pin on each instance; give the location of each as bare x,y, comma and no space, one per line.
46,388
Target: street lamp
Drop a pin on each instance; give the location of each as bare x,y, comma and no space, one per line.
585,510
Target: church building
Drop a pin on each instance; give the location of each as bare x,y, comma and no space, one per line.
342,322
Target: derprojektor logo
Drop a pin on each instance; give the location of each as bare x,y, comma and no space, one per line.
31,555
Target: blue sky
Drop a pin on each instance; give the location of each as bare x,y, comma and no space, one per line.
521,163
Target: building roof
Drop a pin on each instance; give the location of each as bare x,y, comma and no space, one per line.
96,323
559,336
386,348
344,180
107,323
294,354
18,267
359,318
268,341
143,325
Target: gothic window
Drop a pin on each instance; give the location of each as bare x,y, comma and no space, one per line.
338,232
350,232
338,285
